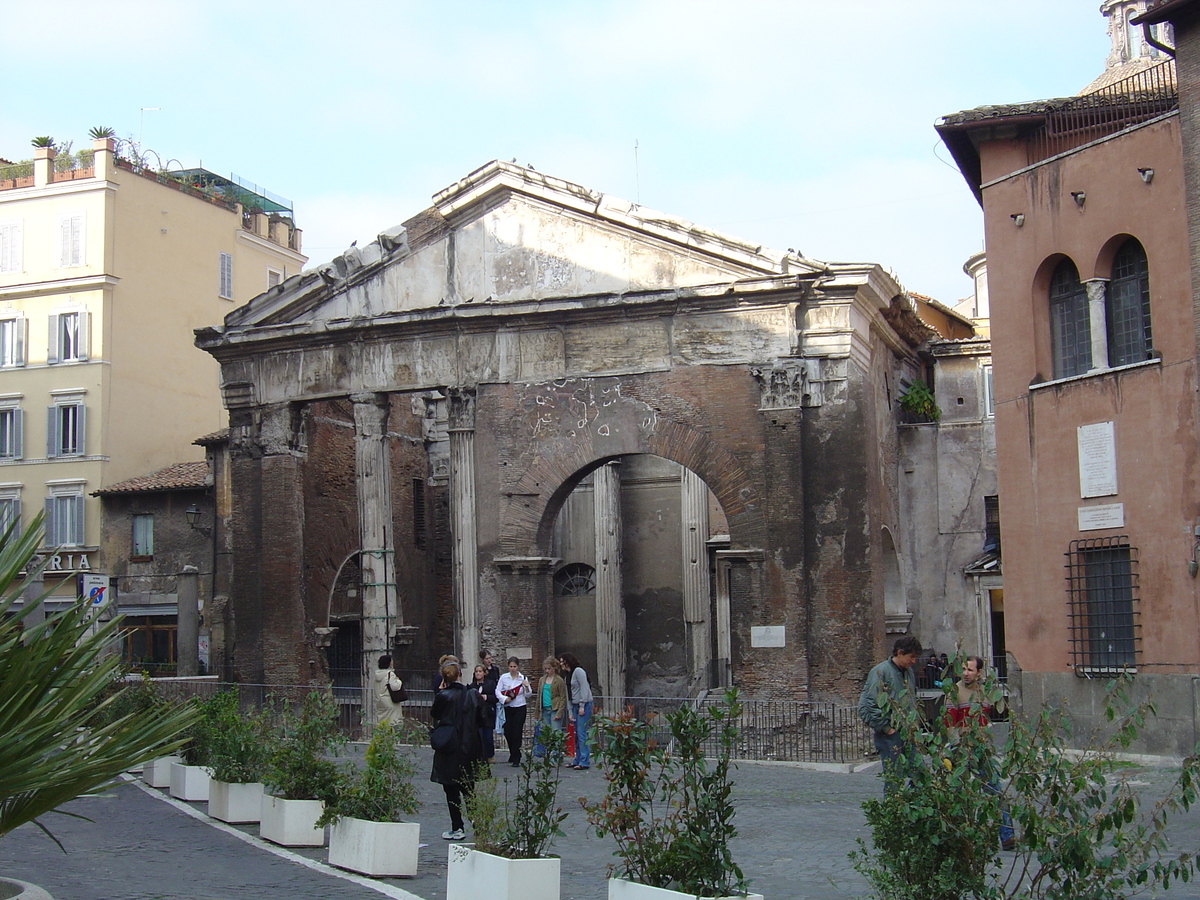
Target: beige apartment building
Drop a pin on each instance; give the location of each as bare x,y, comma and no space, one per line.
104,273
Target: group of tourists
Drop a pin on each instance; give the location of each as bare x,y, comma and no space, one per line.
466,716
888,703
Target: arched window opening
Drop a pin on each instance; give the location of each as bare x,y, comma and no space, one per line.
575,580
1070,329
1128,308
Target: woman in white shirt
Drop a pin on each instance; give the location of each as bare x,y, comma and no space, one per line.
512,690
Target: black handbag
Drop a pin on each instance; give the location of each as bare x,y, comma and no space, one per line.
444,738
398,695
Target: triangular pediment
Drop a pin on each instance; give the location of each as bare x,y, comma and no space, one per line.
507,233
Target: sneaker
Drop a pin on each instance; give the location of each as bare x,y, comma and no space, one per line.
456,835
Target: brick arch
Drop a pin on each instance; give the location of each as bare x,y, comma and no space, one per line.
527,529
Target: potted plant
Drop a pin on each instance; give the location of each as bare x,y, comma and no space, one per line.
671,813
190,775
509,860
133,694
367,835
301,778
59,738
237,759
919,404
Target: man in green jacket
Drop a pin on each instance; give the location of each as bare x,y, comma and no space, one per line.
891,687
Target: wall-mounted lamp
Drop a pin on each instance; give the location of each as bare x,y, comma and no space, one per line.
1147,174
1019,218
192,514
1080,198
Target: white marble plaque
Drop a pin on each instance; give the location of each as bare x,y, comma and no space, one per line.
1097,460
521,653
1111,515
768,636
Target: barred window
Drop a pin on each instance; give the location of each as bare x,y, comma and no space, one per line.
1128,307
1102,582
575,580
1070,325
991,524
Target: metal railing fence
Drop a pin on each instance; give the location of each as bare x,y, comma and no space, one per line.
768,730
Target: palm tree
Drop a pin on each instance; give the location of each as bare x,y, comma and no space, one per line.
58,737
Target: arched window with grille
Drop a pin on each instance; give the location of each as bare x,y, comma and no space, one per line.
1070,328
575,580
1128,306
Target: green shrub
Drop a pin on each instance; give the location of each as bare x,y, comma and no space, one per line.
237,741
671,813
299,767
382,791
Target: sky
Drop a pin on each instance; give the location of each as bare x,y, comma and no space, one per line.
804,124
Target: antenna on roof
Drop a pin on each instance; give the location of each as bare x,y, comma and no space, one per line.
637,173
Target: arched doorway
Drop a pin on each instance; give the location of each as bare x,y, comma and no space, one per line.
668,526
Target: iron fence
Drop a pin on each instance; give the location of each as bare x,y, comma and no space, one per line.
1088,117
768,730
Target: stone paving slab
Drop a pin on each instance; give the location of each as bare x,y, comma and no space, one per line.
796,828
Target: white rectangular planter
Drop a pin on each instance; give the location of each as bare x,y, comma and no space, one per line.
235,803
472,874
378,849
157,772
620,889
189,782
291,823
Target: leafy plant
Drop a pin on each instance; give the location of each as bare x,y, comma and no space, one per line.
299,767
43,140
1081,829
669,811
101,132
525,825
382,791
59,737
237,741
917,400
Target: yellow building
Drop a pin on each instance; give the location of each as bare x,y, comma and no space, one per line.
104,273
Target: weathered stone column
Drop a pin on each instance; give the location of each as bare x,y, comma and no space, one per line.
1097,288
377,559
462,523
187,591
610,611
694,505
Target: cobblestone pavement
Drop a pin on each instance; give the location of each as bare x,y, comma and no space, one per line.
796,828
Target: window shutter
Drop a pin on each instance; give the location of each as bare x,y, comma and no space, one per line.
52,435
64,242
226,291
20,325
70,241
10,247
52,344
81,429
77,531
51,539
18,434
81,335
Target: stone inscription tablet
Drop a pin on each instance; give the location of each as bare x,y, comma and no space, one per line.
1097,460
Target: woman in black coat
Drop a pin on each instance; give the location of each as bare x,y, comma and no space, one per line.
455,768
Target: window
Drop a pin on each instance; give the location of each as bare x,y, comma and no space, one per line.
66,428
150,642
991,525
10,246
143,536
989,400
1127,306
64,517
68,337
1102,581
575,580
11,441
274,277
70,240
12,342
10,508
226,288
1070,327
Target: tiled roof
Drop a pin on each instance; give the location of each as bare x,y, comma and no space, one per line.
215,437
178,477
